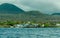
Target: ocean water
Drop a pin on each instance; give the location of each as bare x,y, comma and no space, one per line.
29,32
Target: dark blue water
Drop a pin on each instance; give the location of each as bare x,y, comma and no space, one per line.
29,32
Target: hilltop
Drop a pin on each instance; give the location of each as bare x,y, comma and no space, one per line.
9,8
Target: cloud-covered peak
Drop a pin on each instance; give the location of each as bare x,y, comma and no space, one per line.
46,6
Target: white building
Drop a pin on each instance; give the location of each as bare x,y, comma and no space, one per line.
11,26
42,25
19,26
57,24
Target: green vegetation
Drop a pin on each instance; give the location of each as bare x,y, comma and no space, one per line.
31,24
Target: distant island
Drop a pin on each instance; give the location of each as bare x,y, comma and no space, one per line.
13,17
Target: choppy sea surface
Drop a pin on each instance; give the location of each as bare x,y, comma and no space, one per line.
29,32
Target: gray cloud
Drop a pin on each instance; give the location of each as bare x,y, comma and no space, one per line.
46,6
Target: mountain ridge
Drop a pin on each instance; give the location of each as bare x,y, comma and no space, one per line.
56,14
9,8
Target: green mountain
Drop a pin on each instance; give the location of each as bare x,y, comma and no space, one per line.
10,8
13,13
26,16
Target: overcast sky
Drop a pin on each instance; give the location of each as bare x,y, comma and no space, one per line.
45,6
